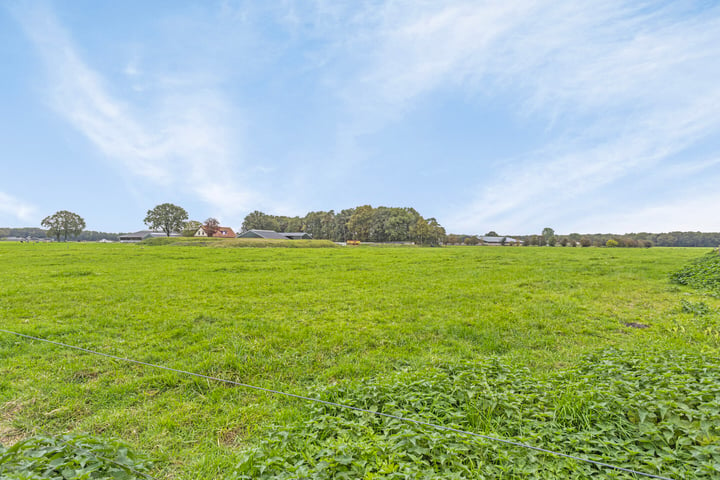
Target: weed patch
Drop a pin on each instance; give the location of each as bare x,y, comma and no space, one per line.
658,413
71,457
703,273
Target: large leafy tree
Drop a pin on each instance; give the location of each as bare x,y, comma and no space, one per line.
166,217
361,223
258,220
63,223
548,236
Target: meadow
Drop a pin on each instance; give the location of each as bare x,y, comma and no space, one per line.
591,351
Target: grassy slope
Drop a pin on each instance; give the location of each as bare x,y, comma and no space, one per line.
293,319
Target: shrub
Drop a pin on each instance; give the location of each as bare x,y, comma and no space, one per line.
656,413
703,273
71,457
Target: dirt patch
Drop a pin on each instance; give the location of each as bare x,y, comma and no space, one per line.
231,436
636,325
9,435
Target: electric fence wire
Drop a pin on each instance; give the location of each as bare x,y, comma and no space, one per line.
348,407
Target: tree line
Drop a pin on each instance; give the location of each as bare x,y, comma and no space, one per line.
628,240
39,233
364,223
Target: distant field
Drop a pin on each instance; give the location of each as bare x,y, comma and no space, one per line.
299,319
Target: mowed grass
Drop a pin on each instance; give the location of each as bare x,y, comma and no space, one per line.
296,320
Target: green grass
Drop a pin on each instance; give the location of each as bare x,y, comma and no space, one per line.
298,319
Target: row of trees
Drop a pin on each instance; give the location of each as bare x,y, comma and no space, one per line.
628,240
39,233
364,223
549,238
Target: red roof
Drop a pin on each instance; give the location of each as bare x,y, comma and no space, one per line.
224,232
221,232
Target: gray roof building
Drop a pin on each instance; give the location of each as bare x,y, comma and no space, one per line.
273,235
499,241
142,235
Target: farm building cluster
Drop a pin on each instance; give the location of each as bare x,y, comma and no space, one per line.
220,232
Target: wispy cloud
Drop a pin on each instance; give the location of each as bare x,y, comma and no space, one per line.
637,82
607,92
176,137
18,209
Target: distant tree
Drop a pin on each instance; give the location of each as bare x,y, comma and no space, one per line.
629,242
191,227
585,242
437,232
289,224
547,234
503,241
421,232
361,223
211,226
258,220
398,223
166,217
492,233
612,243
319,224
340,231
563,242
63,223
471,240
552,241
453,239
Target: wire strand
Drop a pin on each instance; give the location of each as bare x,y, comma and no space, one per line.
348,407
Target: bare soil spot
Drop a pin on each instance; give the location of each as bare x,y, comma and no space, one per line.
10,435
231,436
636,325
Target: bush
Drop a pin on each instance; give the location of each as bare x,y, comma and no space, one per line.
612,243
656,413
703,273
71,457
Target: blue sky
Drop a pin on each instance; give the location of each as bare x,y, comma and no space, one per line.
508,116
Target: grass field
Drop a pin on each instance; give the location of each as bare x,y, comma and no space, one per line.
302,319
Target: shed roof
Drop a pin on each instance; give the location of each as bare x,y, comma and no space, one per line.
297,235
273,235
498,239
266,234
143,234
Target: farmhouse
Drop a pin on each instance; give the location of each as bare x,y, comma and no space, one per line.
273,235
221,232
